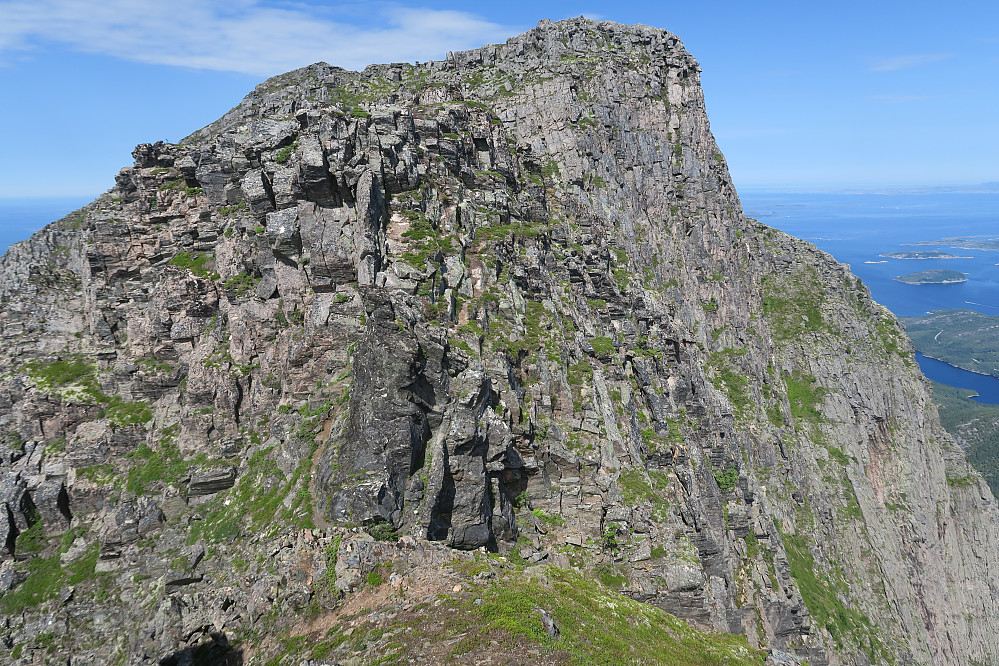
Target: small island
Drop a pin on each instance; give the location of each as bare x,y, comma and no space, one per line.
933,276
922,254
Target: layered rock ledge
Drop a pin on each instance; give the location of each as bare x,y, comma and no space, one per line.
504,303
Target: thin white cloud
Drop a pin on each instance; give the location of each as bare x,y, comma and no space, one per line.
246,36
908,61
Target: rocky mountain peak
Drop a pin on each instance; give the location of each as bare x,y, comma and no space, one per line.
374,340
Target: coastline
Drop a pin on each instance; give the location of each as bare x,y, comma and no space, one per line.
936,282
977,372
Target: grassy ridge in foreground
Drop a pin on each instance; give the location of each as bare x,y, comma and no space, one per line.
499,619
599,626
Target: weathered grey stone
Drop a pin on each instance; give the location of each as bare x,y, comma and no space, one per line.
212,480
8,576
8,532
256,189
52,502
282,231
507,300
781,658
548,622
119,528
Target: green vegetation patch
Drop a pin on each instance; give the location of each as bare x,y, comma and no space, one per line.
726,479
254,503
122,413
426,243
53,374
674,431
476,105
892,340
634,486
962,481
285,153
793,304
539,326
727,380
462,345
578,375
196,263
610,576
552,519
775,415
234,209
383,532
149,466
847,626
497,232
839,455
45,575
174,184
241,284
597,625
74,378
805,397
351,99
265,500
603,346
636,489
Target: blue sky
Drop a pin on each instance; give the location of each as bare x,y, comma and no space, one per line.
800,95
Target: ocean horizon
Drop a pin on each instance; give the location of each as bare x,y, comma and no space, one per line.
857,229
20,217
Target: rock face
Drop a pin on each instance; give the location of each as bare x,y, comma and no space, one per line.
505,301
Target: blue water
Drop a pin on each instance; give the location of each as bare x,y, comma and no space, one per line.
21,217
856,228
987,387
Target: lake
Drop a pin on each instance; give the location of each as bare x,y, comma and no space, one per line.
986,386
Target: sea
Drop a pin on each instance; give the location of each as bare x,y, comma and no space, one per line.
856,229
21,217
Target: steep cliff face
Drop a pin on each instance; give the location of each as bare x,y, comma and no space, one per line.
505,302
